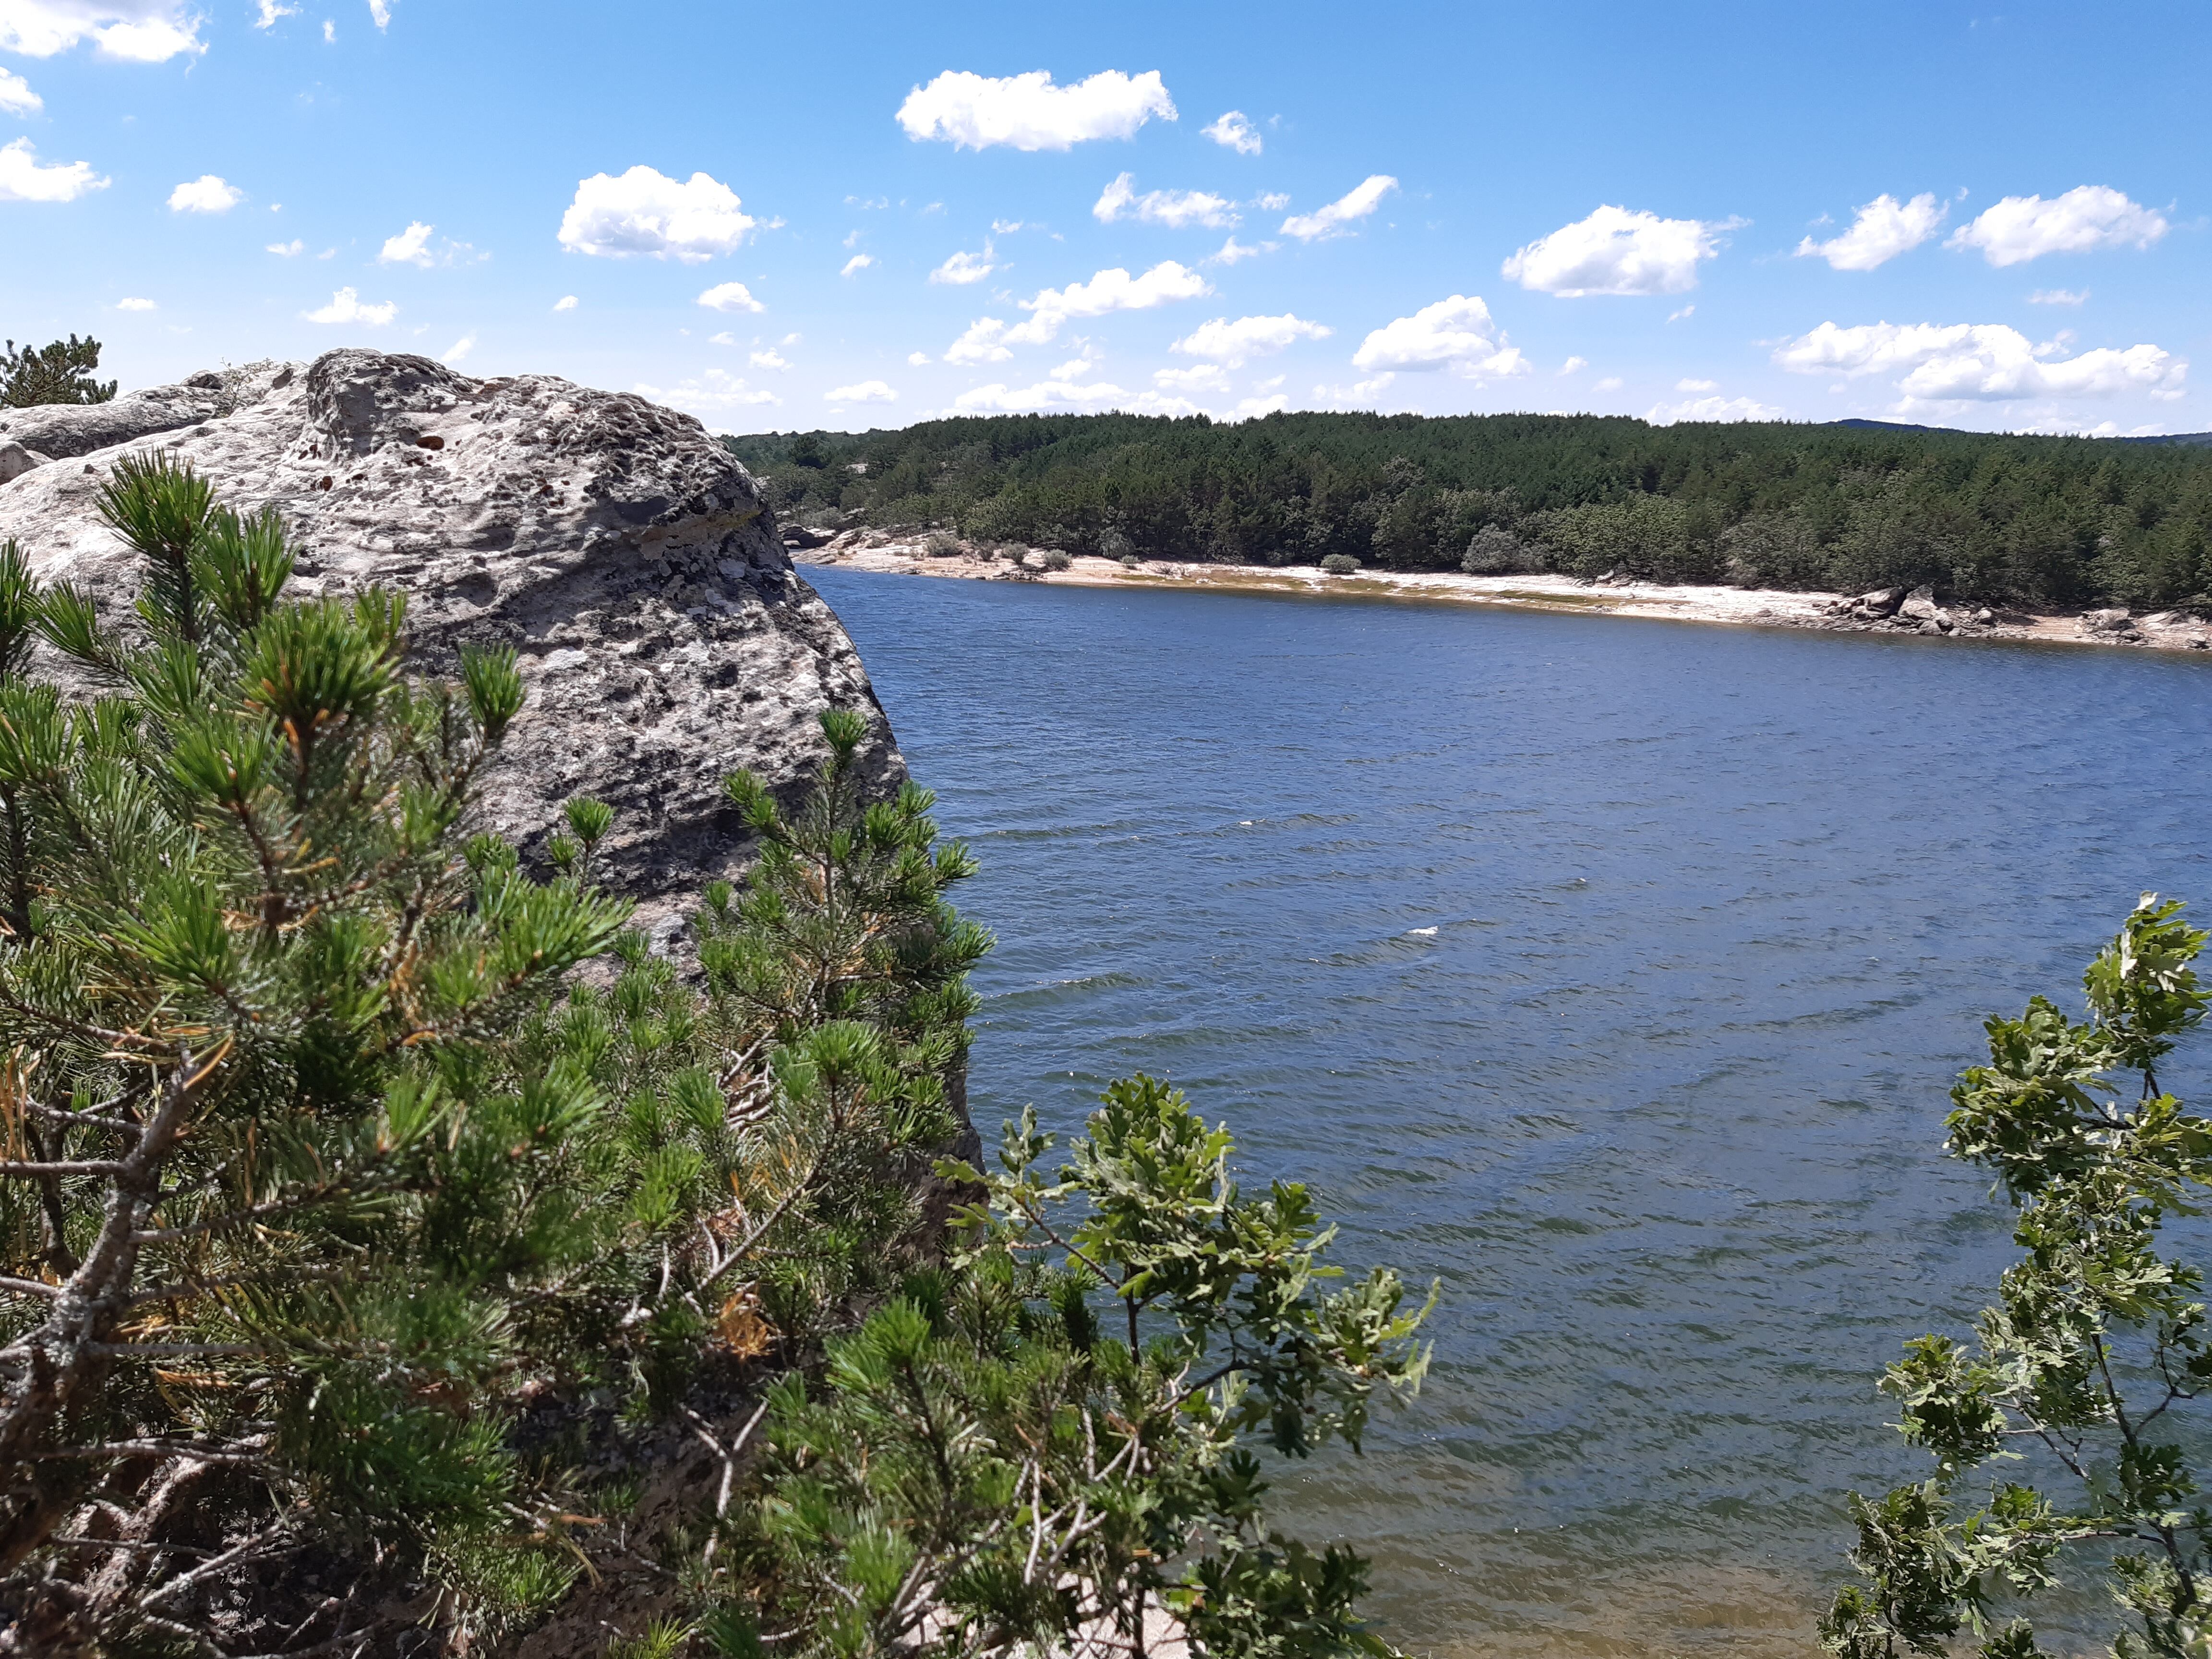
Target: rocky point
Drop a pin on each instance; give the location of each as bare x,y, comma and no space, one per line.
630,561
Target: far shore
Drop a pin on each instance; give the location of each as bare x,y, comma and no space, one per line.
880,550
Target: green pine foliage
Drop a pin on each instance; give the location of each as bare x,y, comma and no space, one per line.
382,1219
342,1218
61,372
2002,518
2076,1391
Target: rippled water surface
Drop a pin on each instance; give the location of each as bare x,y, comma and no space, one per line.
1610,972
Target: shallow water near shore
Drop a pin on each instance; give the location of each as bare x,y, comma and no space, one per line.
1610,972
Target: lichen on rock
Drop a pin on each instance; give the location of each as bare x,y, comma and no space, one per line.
630,560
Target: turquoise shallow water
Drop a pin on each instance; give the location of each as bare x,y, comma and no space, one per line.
1610,972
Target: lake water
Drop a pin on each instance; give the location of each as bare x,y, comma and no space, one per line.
1612,972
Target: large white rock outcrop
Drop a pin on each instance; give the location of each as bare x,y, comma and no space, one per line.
629,560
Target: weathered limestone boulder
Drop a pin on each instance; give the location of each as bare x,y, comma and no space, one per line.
628,558
1883,601
2113,623
1920,606
56,430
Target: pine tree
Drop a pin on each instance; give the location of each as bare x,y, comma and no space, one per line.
322,1175
241,946
58,374
378,1213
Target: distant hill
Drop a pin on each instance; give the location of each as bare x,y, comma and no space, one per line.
2200,440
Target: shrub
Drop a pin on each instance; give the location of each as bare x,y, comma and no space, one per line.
1064,1431
2084,1383
940,545
1130,561
1495,552
1056,559
1339,564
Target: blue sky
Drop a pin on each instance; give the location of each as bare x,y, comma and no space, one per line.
1917,211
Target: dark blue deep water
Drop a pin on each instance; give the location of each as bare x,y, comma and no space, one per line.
1610,972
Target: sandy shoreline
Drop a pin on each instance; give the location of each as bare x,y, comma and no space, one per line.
1761,607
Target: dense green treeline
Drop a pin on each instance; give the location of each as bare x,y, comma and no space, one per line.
2054,521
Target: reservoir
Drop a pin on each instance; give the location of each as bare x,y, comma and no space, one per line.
1612,973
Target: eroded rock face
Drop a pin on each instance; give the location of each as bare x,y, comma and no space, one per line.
57,430
663,634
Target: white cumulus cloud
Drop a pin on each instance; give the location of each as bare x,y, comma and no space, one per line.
1360,394
1232,251
987,339
1712,409
917,360
345,307
411,246
1028,111
16,96
1232,343
862,391
22,178
712,394
380,13
1173,208
1354,204
460,348
723,296
1881,230
291,250
136,31
1036,399
770,358
980,343
1110,290
1980,362
1198,377
1049,395
644,212
2059,296
1615,251
135,305
271,11
565,302
2091,217
859,262
205,194
1455,333
1574,364
1232,132
963,268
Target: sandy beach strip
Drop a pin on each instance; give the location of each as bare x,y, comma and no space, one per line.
877,550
